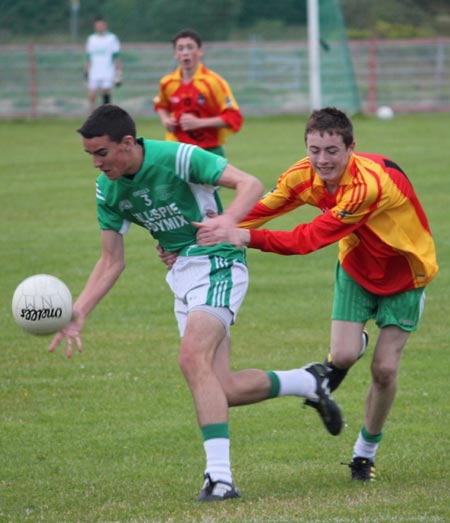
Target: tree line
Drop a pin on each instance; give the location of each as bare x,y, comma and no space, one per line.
216,20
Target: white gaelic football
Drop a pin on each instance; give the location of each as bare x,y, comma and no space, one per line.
42,304
385,112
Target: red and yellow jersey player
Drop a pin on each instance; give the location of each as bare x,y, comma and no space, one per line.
195,104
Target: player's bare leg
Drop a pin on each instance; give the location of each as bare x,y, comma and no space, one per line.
253,385
92,95
348,343
345,342
385,366
242,387
204,333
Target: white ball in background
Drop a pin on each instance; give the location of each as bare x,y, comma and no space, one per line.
384,112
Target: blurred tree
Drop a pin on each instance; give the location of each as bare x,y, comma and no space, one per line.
291,12
159,20
37,17
364,14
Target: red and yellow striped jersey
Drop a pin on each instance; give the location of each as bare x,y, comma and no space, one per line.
207,95
384,238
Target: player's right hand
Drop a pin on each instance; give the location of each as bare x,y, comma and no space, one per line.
170,124
70,332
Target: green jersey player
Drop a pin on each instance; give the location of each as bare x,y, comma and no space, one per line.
175,186
164,187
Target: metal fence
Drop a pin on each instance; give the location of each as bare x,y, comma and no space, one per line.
266,77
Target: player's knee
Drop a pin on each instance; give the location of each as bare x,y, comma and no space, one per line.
189,363
384,375
343,360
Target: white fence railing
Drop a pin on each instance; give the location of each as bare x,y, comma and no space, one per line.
266,77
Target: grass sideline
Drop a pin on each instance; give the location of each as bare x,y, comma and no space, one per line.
110,435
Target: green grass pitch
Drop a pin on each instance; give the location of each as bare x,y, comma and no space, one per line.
110,435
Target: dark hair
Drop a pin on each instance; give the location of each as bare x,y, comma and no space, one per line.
332,121
187,33
99,18
110,120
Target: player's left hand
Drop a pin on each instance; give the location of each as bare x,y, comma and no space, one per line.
219,229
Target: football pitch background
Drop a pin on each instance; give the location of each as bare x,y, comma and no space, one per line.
111,436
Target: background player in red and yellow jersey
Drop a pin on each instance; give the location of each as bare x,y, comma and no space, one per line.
386,256
195,104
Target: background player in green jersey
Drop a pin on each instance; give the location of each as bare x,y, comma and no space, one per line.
164,187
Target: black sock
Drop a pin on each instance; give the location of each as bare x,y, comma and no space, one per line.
335,374
106,98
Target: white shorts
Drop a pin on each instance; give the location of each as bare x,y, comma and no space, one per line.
210,283
100,82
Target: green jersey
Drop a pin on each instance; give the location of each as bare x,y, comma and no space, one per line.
175,186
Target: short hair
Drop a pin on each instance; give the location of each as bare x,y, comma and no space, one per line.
187,33
99,18
332,121
110,120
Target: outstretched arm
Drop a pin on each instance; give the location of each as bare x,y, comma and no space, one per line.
104,275
323,230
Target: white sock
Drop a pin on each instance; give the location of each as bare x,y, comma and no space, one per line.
218,459
296,382
364,449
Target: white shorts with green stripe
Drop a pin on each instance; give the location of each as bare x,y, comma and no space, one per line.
211,283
